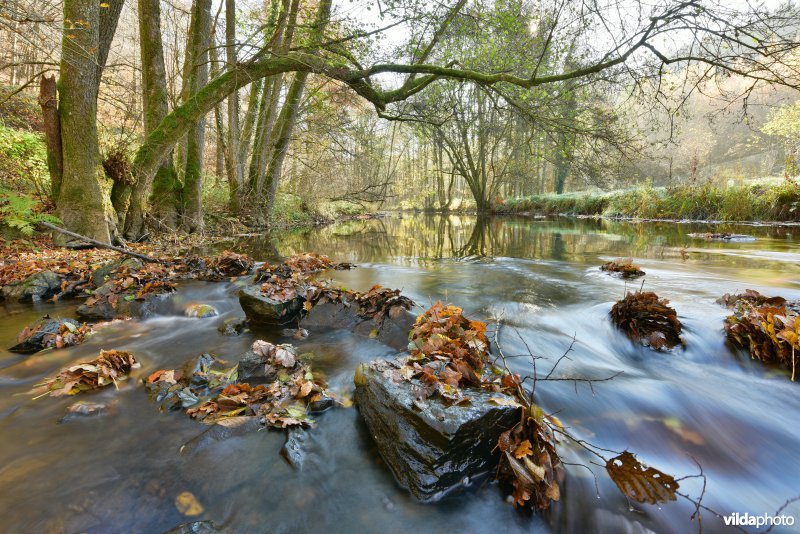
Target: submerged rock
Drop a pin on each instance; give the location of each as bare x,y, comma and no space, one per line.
391,328
50,332
430,447
39,286
200,311
233,326
194,527
723,236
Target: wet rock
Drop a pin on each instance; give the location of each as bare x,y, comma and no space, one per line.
82,409
431,448
391,329
184,386
39,286
43,334
108,303
254,367
296,449
200,311
221,430
86,408
263,310
233,326
102,274
194,527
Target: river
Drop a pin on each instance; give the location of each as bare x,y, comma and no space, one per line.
708,404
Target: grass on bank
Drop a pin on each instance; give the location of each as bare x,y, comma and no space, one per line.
758,202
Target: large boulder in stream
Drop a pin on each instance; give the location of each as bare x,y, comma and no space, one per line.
264,310
38,286
431,448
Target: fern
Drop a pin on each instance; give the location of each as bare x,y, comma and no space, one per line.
18,211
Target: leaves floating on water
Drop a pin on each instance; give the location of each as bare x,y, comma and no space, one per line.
648,319
625,268
639,482
106,369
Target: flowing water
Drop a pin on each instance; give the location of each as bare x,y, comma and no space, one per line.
707,404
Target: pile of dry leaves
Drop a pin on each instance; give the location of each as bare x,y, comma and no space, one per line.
768,327
218,268
292,279
625,268
648,319
288,393
130,283
302,264
529,461
108,368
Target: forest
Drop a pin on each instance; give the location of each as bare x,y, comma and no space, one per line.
120,119
465,263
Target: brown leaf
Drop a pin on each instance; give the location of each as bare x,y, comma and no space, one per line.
640,483
523,449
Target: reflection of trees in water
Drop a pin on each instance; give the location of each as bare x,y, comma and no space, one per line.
434,236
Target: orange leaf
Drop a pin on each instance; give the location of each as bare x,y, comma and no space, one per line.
523,449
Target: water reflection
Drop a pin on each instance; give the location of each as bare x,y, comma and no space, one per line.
123,471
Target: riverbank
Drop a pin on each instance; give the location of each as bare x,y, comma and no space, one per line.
748,203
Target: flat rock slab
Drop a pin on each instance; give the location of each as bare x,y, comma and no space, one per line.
431,448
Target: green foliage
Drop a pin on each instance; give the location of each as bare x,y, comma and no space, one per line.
18,211
784,122
23,161
698,202
290,210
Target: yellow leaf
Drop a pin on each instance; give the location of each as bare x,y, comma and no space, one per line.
104,4
504,401
188,505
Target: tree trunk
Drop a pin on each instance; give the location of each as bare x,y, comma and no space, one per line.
200,29
52,133
164,184
283,128
288,117
236,173
82,203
